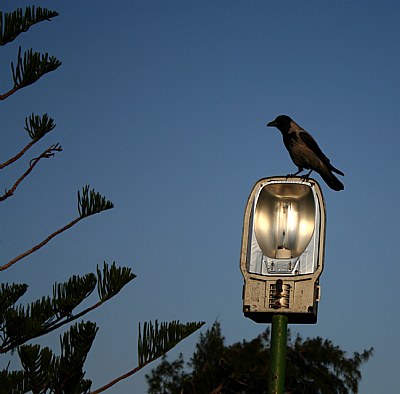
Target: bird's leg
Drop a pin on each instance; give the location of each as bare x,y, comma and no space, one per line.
306,176
297,173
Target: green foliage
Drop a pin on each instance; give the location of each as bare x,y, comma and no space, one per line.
112,279
168,376
320,366
206,360
91,202
75,346
156,340
43,372
37,126
67,296
12,382
313,366
32,67
14,23
38,366
20,323
9,295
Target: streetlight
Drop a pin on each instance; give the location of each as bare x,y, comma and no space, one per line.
281,260
282,252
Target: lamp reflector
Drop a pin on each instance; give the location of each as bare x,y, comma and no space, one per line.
284,219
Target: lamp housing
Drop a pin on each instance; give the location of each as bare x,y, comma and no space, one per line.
282,252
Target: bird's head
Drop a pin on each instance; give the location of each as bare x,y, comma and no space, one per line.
282,123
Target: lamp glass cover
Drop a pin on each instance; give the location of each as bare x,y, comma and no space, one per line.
283,237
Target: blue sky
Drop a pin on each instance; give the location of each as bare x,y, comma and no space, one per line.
161,106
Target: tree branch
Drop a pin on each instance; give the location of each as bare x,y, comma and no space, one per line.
57,324
124,376
9,93
19,21
61,313
29,69
49,152
17,156
40,245
154,342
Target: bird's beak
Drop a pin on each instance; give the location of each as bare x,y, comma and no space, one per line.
271,124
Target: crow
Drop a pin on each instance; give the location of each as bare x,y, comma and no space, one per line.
305,152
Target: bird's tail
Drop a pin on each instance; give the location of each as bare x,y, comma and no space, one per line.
332,168
331,180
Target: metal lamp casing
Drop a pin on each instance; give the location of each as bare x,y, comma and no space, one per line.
282,253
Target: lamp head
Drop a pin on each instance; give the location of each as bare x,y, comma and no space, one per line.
282,247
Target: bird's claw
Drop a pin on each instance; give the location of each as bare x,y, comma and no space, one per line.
304,177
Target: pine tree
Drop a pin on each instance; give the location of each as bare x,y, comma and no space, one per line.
313,366
42,370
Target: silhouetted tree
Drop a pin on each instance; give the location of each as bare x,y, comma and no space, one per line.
313,366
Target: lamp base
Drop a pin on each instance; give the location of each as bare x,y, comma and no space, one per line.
293,318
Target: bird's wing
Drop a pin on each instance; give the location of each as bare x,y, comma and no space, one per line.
311,144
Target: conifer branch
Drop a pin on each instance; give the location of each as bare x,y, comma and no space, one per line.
44,372
32,67
89,204
17,156
14,23
122,377
66,297
54,326
36,127
29,69
49,152
40,245
75,346
112,279
8,94
154,342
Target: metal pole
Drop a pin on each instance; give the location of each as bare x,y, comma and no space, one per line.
276,381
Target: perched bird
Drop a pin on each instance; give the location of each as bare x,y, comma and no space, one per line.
305,152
